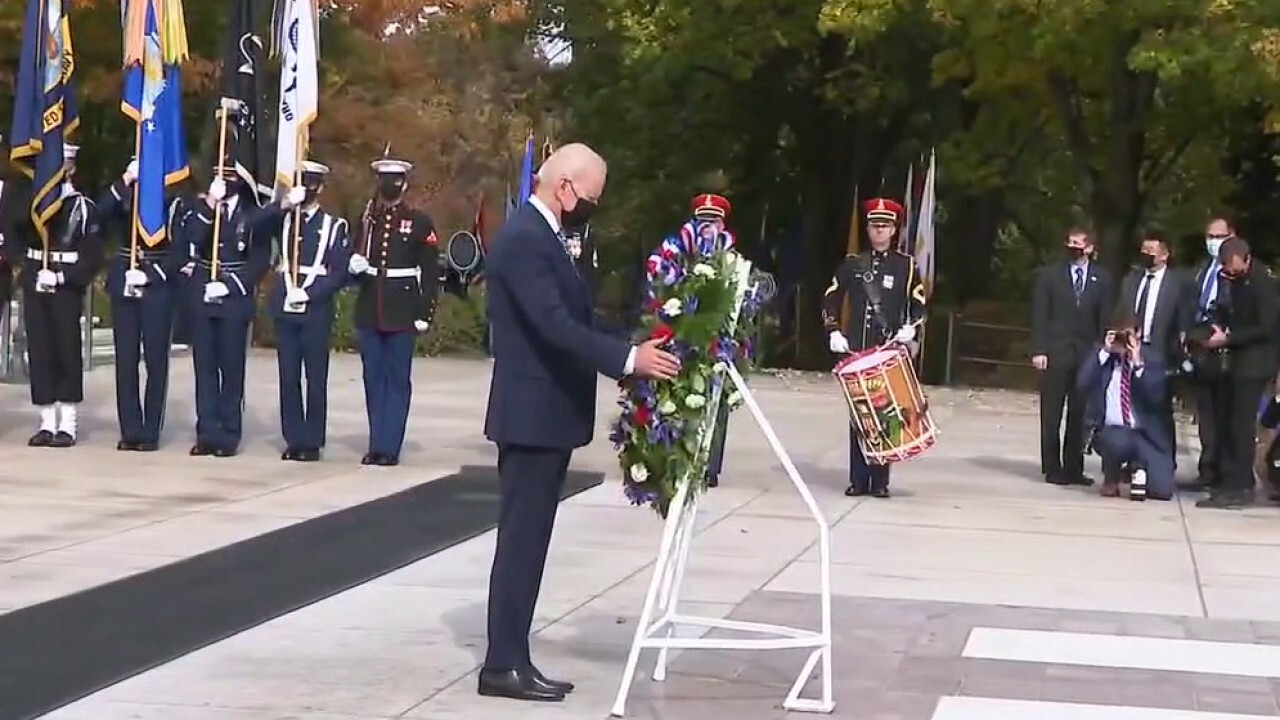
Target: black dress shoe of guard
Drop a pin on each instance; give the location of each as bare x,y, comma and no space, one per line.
387,461
855,491
370,459
289,454
309,455
880,492
62,440
516,685
44,438
146,446
201,450
225,452
558,685
127,446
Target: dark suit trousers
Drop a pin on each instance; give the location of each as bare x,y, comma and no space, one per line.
1062,452
1211,419
1238,432
530,481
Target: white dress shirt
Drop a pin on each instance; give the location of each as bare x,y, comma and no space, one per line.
1114,414
553,222
1154,279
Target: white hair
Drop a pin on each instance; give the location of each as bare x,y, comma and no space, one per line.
570,161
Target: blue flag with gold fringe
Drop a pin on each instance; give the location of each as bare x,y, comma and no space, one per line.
155,43
45,112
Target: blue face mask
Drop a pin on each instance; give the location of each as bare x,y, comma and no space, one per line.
1212,245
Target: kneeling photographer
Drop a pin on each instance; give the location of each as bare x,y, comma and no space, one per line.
1234,353
1128,412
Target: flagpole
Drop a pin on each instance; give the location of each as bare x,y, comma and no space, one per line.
133,233
295,269
217,208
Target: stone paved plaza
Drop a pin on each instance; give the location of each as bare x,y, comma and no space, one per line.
976,593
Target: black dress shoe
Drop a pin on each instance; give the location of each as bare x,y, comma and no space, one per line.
44,438
855,491
370,459
309,455
1200,484
880,492
1080,479
559,685
713,481
201,450
289,454
127,446
62,440
516,685
223,452
1226,500
148,446
1056,479
387,461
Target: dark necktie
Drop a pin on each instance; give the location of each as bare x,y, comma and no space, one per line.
1207,289
1078,285
1143,293
1126,403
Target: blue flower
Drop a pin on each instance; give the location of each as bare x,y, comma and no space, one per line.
664,432
639,495
691,304
618,434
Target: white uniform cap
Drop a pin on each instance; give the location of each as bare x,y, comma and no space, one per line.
314,167
387,166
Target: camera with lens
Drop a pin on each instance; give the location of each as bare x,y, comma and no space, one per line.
1209,362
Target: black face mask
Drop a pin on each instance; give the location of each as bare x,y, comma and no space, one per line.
579,215
1147,261
1075,253
313,193
390,188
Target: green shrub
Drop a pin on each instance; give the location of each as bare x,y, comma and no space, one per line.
459,326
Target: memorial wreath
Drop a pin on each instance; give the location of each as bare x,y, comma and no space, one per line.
697,302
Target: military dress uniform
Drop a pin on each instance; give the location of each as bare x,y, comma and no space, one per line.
902,302
55,279
301,298
221,307
144,290
715,208
396,264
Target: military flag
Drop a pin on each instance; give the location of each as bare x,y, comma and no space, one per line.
909,206
925,250
526,172
45,111
244,80
155,45
296,35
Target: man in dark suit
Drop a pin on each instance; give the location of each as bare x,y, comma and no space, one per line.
1069,301
542,399
1155,293
1128,408
1201,298
1242,336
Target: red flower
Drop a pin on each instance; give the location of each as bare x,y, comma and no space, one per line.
654,304
662,333
641,415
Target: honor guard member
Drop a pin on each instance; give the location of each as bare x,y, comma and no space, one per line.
226,268
396,264
56,273
885,298
313,268
714,209
143,288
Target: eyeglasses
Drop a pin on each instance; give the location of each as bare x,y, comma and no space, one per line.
1217,236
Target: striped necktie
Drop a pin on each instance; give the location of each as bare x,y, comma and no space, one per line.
1126,402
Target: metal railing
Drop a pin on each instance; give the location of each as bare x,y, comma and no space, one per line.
959,354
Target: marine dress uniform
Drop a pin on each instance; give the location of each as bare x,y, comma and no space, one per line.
396,264
55,278
885,298
225,269
144,291
301,299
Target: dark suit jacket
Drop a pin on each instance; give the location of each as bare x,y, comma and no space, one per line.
1060,328
1172,315
546,350
1150,410
1254,322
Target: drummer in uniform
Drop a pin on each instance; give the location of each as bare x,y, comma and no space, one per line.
885,297
714,209
396,263
301,302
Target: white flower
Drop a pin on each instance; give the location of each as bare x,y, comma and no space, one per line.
735,398
695,401
704,270
720,367
639,473
672,307
667,407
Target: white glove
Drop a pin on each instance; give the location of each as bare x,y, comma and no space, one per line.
296,296
47,278
421,325
135,278
838,343
358,265
218,190
215,290
131,172
906,334
295,197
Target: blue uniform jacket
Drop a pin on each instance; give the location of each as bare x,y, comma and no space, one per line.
324,250
162,263
244,256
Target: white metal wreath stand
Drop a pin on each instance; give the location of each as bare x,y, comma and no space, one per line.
668,573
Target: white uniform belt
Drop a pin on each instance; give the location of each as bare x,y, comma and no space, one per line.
54,256
305,270
414,272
